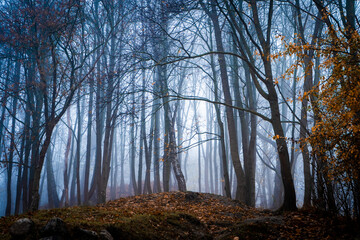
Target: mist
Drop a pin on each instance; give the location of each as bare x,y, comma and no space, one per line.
106,99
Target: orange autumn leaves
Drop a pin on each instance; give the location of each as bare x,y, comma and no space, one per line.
335,136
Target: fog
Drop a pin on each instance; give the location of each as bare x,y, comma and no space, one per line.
106,99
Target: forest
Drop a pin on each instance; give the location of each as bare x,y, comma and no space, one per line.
254,100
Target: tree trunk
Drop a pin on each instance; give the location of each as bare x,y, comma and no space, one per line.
109,129
132,148
40,162
122,157
167,144
240,191
216,171
222,149
222,153
12,137
155,111
4,100
21,168
28,134
289,190
173,151
147,147
99,124
114,169
35,171
209,150
199,146
67,151
110,112
78,148
88,143
53,197
72,168
141,142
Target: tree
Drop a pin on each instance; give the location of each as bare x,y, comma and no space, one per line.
51,48
307,58
335,136
212,13
261,41
160,47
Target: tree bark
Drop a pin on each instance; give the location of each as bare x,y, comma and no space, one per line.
78,148
12,137
240,191
88,144
67,151
132,147
289,190
222,149
156,113
53,197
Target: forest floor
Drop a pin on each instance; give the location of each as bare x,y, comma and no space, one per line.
189,215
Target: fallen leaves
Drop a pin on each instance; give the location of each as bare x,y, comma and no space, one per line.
183,214
208,208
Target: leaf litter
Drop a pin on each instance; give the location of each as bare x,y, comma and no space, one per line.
192,215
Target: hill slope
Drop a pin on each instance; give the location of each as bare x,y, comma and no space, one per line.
179,215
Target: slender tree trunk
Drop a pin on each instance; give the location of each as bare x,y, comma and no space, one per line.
122,161
4,99
35,185
222,149
35,138
288,183
12,138
305,154
167,146
141,143
72,167
88,144
53,197
132,148
110,114
216,171
251,166
99,124
114,168
240,176
209,150
147,147
222,152
28,134
109,129
78,148
308,85
142,135
21,169
173,156
199,146
155,110
206,170
67,151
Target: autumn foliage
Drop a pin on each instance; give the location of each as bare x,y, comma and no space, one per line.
334,95
335,136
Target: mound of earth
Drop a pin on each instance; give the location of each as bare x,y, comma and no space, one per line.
177,215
